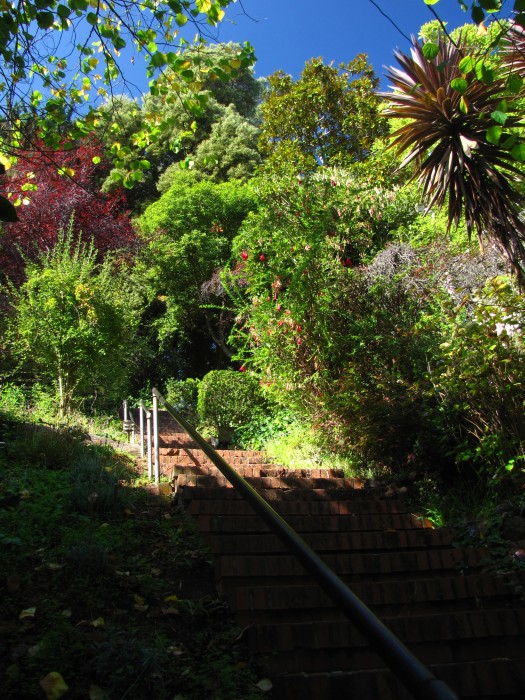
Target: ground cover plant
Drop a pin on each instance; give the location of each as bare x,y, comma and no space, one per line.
107,589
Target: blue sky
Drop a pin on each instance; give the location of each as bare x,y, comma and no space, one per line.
286,33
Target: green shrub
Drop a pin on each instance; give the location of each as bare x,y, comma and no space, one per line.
227,399
12,400
183,394
477,374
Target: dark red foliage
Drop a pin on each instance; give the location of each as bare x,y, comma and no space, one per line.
100,217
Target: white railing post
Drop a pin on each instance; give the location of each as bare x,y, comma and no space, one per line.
156,437
141,425
148,431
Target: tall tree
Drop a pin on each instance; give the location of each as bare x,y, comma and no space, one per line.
186,124
330,116
187,235
59,60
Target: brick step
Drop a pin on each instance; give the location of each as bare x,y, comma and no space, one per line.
478,625
187,494
492,679
471,590
267,482
231,456
347,508
429,651
385,597
242,466
312,523
342,542
370,565
469,625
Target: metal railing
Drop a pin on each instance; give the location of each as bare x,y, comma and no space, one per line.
409,670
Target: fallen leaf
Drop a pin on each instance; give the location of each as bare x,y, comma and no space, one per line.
175,651
54,567
265,685
53,685
27,613
140,603
170,611
99,622
170,598
96,693
156,572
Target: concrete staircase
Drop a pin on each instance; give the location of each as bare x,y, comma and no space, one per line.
466,625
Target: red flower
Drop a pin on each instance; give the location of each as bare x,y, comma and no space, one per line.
242,368
346,262
244,255
262,257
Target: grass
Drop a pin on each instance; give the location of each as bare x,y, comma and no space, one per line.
105,585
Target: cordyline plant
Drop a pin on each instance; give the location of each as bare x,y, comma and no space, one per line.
462,135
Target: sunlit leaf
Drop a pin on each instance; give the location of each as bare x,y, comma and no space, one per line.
54,686
28,613
265,685
430,50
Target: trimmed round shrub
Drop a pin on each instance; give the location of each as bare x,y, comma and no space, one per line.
227,399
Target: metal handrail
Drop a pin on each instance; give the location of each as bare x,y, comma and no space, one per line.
411,672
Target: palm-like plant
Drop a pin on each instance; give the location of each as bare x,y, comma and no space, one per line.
449,136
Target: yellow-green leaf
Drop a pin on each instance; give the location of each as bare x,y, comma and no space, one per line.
54,686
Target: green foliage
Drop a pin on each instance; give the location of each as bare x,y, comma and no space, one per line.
225,107
329,116
477,374
183,394
54,87
12,400
188,234
295,279
231,150
228,398
73,321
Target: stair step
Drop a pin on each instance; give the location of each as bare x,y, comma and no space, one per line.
300,507
342,542
370,564
391,596
478,625
266,482
493,679
466,625
311,523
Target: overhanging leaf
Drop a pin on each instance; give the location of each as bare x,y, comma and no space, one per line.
430,50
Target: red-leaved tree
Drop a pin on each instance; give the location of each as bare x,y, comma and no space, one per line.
55,191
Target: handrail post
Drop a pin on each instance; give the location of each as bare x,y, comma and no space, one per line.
156,437
148,433
141,425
